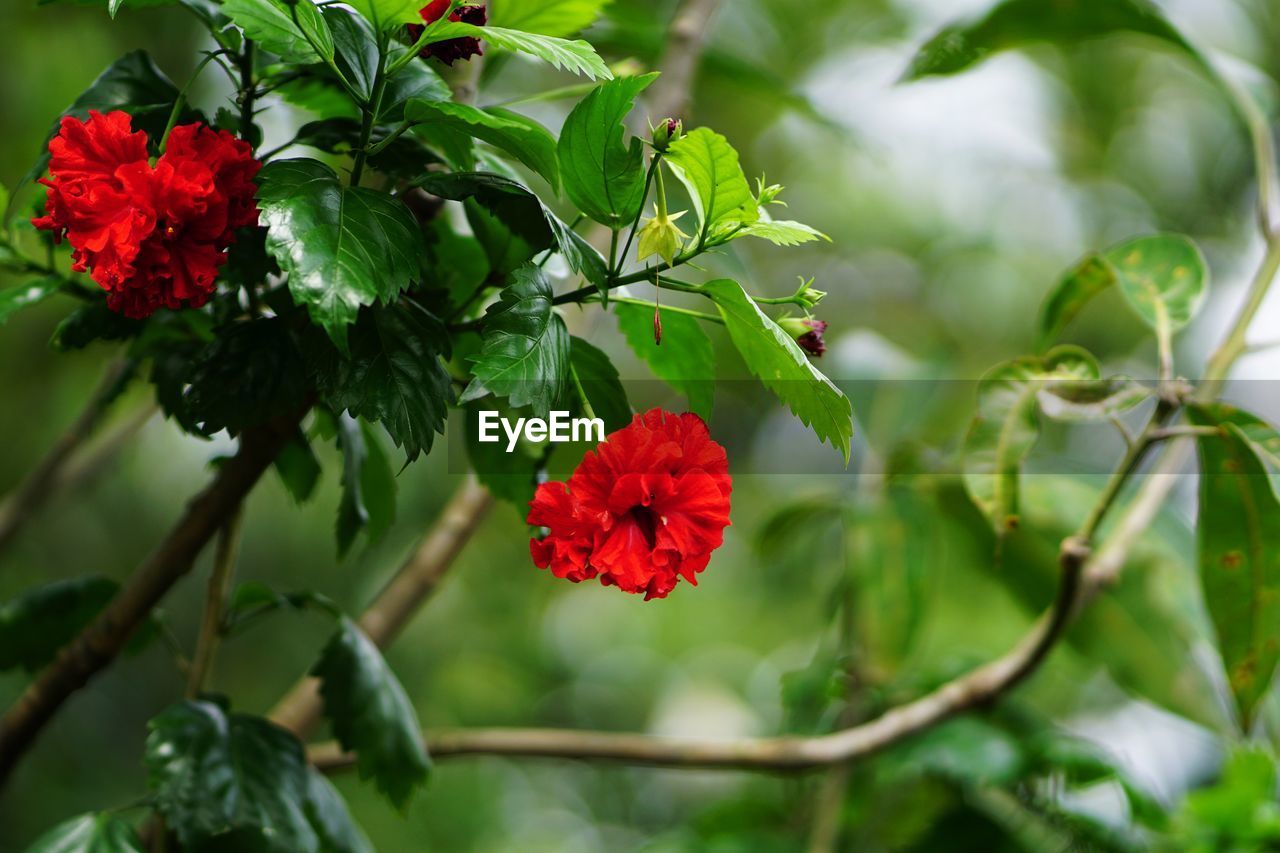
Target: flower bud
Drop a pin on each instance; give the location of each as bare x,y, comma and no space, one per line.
768,193
807,296
657,326
667,132
807,332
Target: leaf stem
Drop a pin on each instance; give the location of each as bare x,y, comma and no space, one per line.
371,111
181,100
635,223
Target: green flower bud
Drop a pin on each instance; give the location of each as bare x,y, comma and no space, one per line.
667,132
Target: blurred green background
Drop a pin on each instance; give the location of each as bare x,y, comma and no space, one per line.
953,204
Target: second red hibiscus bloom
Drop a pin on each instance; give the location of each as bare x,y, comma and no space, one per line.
151,236
644,510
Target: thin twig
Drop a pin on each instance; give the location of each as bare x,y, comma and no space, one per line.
224,569
415,582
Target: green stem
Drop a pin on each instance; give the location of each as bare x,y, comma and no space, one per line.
1154,432
635,223
1233,345
582,393
371,111
182,98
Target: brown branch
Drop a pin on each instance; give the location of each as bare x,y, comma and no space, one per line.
99,643
300,710
672,92
224,569
45,479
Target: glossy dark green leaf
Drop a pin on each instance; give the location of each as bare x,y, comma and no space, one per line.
14,299
39,621
522,138
1239,526
342,247
510,476
90,323
707,165
685,359
394,374
525,354
1007,424
214,773
576,56
1019,23
368,499
337,830
597,380
89,833
251,373
371,715
299,469
603,175
356,49
522,212
777,360
271,24
386,15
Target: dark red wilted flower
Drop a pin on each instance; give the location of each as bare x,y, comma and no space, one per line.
642,511
450,51
807,332
151,236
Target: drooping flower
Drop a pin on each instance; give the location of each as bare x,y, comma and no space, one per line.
807,332
151,236
642,511
450,51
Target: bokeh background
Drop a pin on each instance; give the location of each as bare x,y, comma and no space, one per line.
953,204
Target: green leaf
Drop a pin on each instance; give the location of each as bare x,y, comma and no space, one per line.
41,620
394,374
113,6
1007,424
386,15
1162,277
299,469
1082,283
327,811
1092,400
548,17
707,165
134,83
14,299
1018,23
249,374
782,232
92,322
1262,437
597,380
522,212
368,485
271,24
89,833
603,176
510,476
685,360
214,773
342,247
773,356
371,715
525,352
356,50
523,138
1239,528
575,56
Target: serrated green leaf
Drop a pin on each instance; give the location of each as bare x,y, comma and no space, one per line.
394,374
602,175
337,830
249,374
270,23
39,621
1007,424
685,360
299,469
523,138
368,484
213,773
548,17
89,833
525,352
782,232
14,299
775,358
1239,528
1019,23
576,56
342,247
371,715
386,15
522,212
597,380
707,165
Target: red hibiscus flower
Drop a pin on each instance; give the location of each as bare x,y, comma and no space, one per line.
644,510
151,236
450,51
